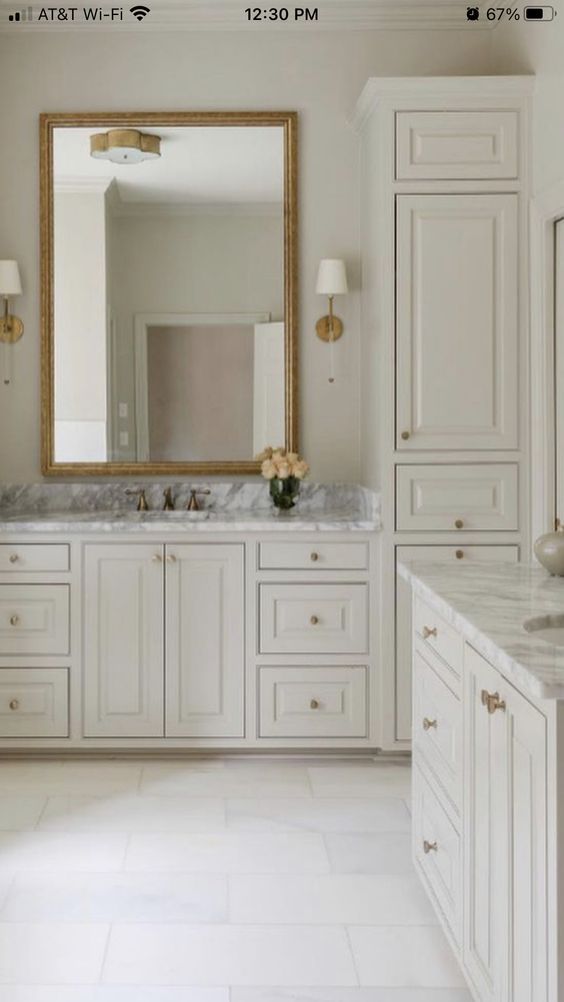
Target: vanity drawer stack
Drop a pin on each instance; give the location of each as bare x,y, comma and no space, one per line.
437,762
35,640
313,640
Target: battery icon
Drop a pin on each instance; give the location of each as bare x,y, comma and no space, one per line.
539,13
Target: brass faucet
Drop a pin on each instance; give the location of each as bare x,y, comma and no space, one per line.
193,500
142,500
169,500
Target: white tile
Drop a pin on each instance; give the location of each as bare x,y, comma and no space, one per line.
61,851
235,955
71,777
132,813
321,815
19,813
382,852
111,993
333,899
51,954
346,995
418,957
237,779
228,852
375,780
116,897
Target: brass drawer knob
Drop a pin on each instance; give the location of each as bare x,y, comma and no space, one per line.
314,556
429,631
171,558
429,847
14,620
459,524
314,704
459,554
14,558
492,701
14,704
314,620
428,724
405,435
156,558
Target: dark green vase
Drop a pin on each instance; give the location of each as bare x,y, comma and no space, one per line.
284,492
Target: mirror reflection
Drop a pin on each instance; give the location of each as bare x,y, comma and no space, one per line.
168,300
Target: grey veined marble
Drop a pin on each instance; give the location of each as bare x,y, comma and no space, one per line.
488,604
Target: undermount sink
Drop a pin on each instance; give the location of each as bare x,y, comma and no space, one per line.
548,628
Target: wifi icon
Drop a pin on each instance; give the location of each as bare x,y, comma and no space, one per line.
139,11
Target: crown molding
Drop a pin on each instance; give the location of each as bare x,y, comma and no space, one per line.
228,15
70,185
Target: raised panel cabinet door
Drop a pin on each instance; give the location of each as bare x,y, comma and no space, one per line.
485,826
457,321
123,640
205,638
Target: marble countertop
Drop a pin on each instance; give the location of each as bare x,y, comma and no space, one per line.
259,520
488,604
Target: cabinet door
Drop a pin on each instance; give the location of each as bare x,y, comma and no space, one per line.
205,619
486,909
123,640
457,326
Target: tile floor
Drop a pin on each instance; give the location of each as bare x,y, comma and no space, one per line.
214,881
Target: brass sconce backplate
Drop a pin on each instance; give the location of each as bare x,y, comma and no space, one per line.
323,328
11,329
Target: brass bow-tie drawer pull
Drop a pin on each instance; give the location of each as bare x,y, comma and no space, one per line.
428,724
429,847
492,701
429,631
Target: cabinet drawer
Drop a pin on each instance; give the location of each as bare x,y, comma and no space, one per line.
460,554
437,727
315,556
456,144
34,703
313,619
438,636
463,497
312,702
34,619
437,853
27,557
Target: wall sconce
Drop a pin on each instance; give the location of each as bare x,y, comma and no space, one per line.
331,281
11,327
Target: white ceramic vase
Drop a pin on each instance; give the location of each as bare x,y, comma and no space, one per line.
549,551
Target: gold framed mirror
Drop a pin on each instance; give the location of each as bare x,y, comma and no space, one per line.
168,291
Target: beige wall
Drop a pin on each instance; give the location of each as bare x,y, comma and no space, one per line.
320,75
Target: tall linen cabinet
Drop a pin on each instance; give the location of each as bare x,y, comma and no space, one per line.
444,399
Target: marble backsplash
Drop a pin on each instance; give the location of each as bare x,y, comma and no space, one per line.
225,497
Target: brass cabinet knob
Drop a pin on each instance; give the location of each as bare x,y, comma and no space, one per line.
14,704
428,724
429,631
314,556
492,701
459,524
14,558
459,554
14,620
405,435
157,558
429,847
171,558
314,620
314,704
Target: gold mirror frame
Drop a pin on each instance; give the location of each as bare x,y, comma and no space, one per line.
288,120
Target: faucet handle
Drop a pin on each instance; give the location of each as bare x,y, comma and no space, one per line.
140,494
168,500
193,500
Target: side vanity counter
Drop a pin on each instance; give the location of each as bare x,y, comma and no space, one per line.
488,770
228,628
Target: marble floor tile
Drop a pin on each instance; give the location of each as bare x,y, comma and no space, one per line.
333,899
228,852
237,779
48,953
382,852
68,777
234,955
61,851
132,813
383,814
116,897
345,995
377,780
20,813
114,993
404,957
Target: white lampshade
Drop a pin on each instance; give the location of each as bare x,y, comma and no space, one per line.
332,278
10,284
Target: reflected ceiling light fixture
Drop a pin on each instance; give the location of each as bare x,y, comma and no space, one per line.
331,281
11,327
125,146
